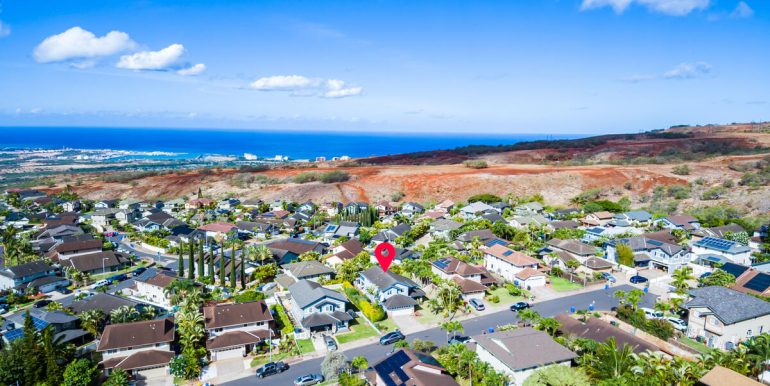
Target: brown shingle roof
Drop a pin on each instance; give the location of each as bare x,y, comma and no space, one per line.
221,227
720,376
78,246
236,338
599,330
231,314
140,360
162,280
468,286
94,261
527,273
136,334
514,257
524,348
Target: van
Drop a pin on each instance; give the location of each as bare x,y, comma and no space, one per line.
652,314
100,283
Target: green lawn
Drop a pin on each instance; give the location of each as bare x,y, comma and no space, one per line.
505,297
560,284
386,325
262,359
700,347
360,329
305,346
105,275
429,318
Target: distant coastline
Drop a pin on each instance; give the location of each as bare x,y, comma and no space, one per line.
192,143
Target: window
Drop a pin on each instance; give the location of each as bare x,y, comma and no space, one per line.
748,333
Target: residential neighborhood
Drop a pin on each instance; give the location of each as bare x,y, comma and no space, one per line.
220,291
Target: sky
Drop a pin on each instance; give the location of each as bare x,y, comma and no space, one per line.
515,66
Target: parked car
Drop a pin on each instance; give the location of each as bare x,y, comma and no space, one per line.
64,290
3,309
460,339
117,278
310,379
649,313
519,306
100,283
608,276
705,275
637,279
331,345
42,303
391,337
678,324
268,286
138,271
477,304
271,368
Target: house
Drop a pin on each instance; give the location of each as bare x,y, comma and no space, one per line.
394,292
409,209
104,204
158,221
347,229
684,222
443,228
635,217
530,278
153,289
599,331
130,203
406,367
234,329
77,247
391,234
718,232
445,206
722,376
318,308
65,326
218,230
649,253
475,209
466,276
173,206
748,280
730,250
484,235
564,224
385,208
198,203
288,250
262,230
723,317
102,216
60,232
96,262
308,270
127,216
104,302
524,221
519,353
565,214
506,262
597,218
141,348
18,275
529,209
30,194
601,233
71,206
345,251
565,250
228,204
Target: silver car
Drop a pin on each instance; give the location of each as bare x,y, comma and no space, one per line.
310,379
678,324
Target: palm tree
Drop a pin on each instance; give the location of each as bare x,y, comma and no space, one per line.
262,253
681,276
528,316
452,326
91,321
124,314
609,362
662,306
758,351
634,297
10,245
620,295
549,325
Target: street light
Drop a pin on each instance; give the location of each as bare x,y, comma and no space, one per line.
103,260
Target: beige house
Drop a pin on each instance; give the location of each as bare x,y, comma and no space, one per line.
723,317
141,348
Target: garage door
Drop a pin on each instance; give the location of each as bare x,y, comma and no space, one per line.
227,354
402,311
151,373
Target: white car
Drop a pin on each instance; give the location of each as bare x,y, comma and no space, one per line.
649,313
678,324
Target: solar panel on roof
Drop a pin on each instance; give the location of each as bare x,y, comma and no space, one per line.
392,365
330,228
507,253
759,283
733,269
715,243
14,334
496,242
441,263
655,242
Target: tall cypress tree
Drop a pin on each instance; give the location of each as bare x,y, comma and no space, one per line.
180,270
243,269
191,267
232,267
211,265
201,264
222,276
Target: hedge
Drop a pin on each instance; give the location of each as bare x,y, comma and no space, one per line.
375,313
658,327
283,319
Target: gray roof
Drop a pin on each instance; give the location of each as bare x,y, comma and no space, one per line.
727,305
384,280
524,348
638,244
638,215
476,207
307,269
103,302
399,301
318,319
445,225
307,292
573,246
26,269
52,317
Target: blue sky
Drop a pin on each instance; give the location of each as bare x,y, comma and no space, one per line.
537,66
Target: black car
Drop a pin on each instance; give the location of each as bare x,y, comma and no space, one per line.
638,279
64,290
117,278
42,303
519,306
138,271
391,337
271,368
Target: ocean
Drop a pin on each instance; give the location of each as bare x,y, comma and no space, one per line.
295,145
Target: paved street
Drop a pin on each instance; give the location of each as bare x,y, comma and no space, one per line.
602,300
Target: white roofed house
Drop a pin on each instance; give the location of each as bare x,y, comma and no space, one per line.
443,228
234,329
684,222
390,235
732,251
475,209
347,229
394,292
317,308
507,263
650,253
635,217
410,209
528,209
102,216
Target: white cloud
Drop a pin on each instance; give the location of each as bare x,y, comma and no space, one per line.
153,60
283,83
5,29
194,70
336,89
742,10
77,43
304,86
667,7
688,71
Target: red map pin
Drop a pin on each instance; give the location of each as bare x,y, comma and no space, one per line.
385,252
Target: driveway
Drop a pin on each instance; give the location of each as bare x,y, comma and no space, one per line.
408,324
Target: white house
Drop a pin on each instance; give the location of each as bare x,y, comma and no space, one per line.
506,262
519,353
476,209
394,292
723,317
235,328
153,289
318,308
730,250
650,253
